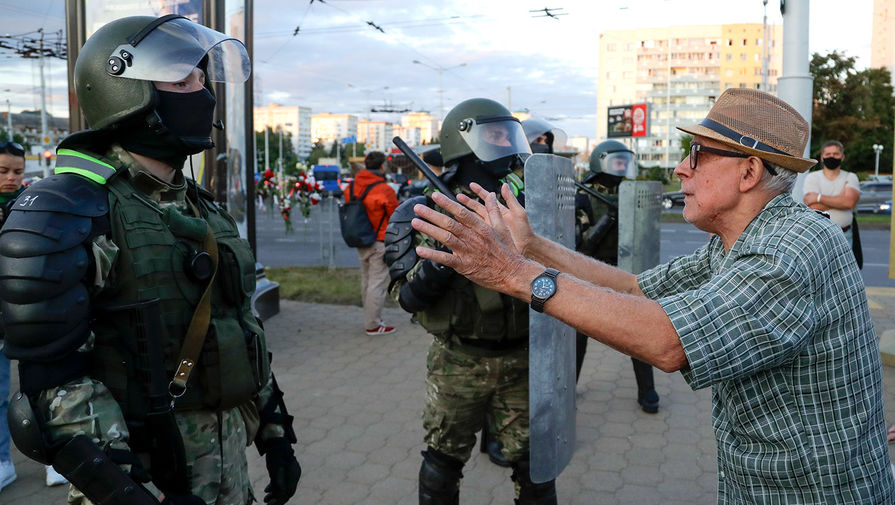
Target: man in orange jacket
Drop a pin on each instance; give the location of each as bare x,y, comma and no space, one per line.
380,202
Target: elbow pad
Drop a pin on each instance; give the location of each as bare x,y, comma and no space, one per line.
429,284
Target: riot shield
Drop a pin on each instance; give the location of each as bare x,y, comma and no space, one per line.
550,205
639,214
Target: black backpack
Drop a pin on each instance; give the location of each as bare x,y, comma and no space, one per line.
355,223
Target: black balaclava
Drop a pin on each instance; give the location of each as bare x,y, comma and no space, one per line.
179,126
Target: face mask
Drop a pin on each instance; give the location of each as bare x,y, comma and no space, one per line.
832,163
184,129
540,148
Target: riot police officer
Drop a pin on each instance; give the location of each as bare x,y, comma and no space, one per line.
597,236
478,359
542,136
126,289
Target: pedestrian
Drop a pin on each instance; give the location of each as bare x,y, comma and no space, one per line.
611,162
127,290
834,190
477,366
771,312
12,173
380,202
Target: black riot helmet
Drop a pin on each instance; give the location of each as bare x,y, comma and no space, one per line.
535,128
610,162
116,66
486,130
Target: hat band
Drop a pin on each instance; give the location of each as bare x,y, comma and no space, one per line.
743,140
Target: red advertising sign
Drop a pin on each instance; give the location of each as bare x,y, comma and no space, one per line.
628,120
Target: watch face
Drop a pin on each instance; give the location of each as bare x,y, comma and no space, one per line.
543,287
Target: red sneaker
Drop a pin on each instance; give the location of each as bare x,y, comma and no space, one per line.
381,330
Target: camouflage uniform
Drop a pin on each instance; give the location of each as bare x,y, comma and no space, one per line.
214,441
468,376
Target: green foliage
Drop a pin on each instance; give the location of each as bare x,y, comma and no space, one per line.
16,137
854,107
339,286
290,158
351,150
655,174
686,140
316,153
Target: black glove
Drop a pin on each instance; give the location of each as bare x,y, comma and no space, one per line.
187,499
283,469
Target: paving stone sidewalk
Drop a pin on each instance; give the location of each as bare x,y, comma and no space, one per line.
357,403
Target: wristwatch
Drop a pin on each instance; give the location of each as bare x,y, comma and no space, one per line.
542,288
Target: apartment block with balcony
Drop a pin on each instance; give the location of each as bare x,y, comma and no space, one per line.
377,135
328,128
678,71
291,118
427,123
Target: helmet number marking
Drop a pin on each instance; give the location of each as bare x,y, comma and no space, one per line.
27,200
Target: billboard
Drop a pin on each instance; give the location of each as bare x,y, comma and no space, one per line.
627,121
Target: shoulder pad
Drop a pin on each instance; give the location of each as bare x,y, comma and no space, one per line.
400,250
66,194
69,161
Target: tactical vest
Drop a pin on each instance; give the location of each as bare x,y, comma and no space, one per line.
156,244
468,312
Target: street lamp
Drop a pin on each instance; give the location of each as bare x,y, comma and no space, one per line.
440,70
8,116
877,148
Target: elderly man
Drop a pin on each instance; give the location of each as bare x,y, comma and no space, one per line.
771,312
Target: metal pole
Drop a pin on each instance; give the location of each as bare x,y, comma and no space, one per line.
764,48
795,85
43,103
266,148
441,93
9,119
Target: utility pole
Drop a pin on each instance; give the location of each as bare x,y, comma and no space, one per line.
266,148
764,48
8,120
795,85
440,71
44,137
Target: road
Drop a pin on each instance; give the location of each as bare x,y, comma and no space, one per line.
309,244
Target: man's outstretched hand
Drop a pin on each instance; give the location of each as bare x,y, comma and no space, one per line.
483,244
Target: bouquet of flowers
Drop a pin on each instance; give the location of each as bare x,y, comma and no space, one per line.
302,191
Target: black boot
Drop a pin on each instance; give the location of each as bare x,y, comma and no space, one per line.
646,391
492,448
440,476
529,492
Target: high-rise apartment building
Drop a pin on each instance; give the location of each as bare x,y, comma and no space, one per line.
377,134
427,123
679,71
291,118
328,128
882,40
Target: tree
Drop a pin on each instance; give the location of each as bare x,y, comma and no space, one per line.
319,151
854,107
290,158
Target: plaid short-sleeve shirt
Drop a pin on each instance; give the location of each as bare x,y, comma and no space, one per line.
780,327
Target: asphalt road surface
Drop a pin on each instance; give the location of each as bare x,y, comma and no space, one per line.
319,242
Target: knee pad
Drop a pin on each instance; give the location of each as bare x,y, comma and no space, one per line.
440,476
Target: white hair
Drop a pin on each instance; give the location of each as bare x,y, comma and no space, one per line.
780,183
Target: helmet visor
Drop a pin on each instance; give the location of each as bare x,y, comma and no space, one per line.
172,50
493,137
535,127
620,163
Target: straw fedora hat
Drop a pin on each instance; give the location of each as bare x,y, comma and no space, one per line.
759,124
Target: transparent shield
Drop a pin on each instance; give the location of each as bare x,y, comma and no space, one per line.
173,49
493,139
535,127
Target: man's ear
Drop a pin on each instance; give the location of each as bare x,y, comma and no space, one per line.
750,173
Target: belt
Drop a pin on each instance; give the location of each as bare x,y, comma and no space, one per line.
846,228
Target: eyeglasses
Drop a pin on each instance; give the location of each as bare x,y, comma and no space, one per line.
13,148
695,149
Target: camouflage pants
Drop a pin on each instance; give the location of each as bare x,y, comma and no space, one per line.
461,389
214,442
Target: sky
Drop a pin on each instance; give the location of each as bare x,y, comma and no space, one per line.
495,49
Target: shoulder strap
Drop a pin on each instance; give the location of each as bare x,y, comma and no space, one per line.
73,162
364,194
